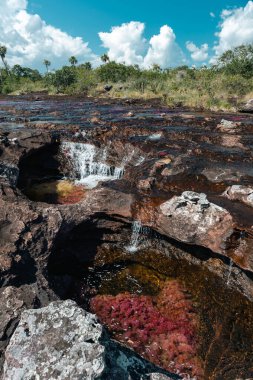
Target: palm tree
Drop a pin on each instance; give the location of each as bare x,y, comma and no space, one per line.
105,58
3,51
73,61
87,66
47,64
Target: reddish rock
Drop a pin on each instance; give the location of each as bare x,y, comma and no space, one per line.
146,184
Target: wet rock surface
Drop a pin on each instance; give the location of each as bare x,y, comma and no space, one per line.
75,173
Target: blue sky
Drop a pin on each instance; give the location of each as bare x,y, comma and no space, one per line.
164,32
190,19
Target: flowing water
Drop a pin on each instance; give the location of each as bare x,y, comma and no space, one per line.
88,164
135,237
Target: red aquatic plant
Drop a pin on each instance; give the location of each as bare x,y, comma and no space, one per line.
162,329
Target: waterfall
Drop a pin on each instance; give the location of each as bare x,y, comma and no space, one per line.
135,237
87,161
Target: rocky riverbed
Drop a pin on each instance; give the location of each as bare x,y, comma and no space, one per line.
126,241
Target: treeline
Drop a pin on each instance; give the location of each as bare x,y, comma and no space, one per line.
220,86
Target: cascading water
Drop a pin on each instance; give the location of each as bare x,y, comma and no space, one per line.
139,237
88,164
135,237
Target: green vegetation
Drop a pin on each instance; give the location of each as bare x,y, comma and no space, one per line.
221,86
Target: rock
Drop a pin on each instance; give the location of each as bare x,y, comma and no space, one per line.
159,376
95,120
13,301
240,193
146,184
191,218
219,174
248,107
108,87
130,114
228,126
60,341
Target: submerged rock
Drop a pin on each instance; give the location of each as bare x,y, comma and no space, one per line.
60,341
191,218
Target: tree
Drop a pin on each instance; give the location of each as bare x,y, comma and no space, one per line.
73,61
47,64
116,72
87,66
238,61
105,58
63,78
156,68
3,52
17,71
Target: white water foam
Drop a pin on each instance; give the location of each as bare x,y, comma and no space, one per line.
87,164
135,237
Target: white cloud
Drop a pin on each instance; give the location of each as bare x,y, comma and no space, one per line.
212,14
164,50
30,40
198,54
236,28
126,43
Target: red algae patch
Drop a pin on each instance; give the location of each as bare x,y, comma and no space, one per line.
163,329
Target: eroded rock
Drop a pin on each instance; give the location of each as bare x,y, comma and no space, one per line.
191,218
60,341
240,193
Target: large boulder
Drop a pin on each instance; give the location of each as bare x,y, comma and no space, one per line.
60,341
191,218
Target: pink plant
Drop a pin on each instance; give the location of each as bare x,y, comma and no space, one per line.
162,329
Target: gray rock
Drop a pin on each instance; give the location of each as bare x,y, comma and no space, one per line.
60,341
240,193
159,376
191,218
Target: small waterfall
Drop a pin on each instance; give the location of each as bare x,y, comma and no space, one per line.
139,237
88,163
135,237
118,172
